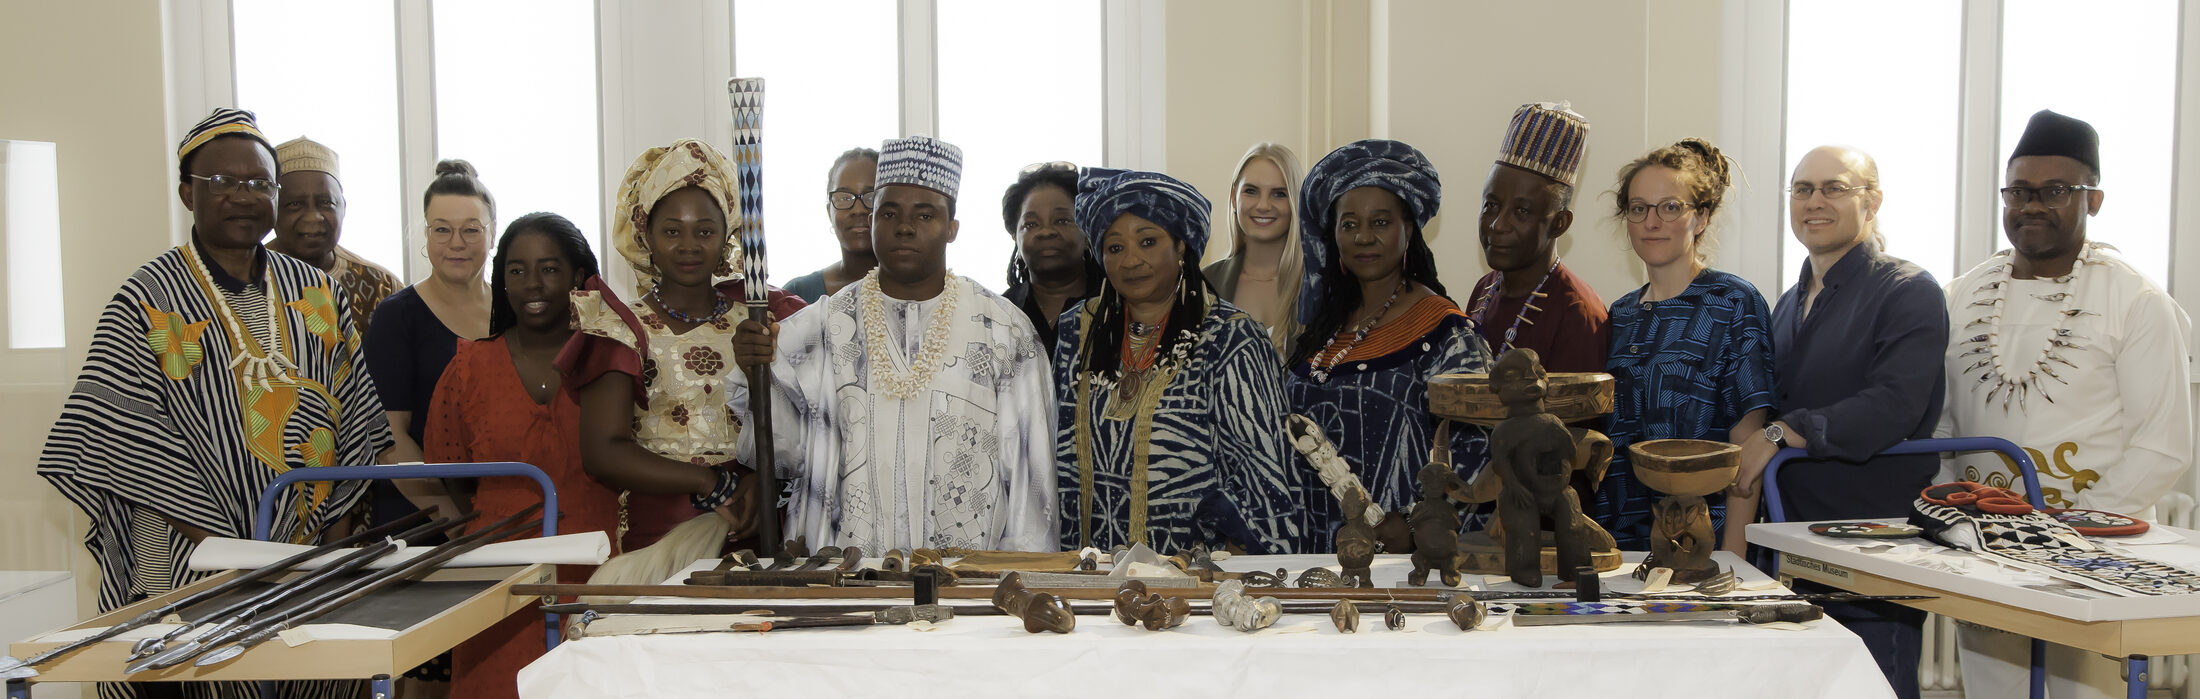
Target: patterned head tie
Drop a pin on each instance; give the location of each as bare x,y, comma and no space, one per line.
1105,194
1391,165
661,171
922,161
1546,139
303,154
221,122
2054,134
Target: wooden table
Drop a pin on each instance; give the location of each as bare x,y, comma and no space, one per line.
2133,628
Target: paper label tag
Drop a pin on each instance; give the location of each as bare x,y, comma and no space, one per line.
1658,578
1817,566
173,618
295,637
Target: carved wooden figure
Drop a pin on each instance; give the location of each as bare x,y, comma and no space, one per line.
1356,542
1436,526
1534,453
1685,470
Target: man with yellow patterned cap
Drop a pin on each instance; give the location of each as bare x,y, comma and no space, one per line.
1529,299
309,222
215,367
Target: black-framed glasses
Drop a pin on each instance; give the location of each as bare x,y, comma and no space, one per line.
1669,210
1833,190
224,184
844,200
2054,196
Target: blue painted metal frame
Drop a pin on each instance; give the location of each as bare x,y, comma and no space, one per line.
264,515
1777,512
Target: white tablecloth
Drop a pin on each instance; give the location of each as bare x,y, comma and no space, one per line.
1301,656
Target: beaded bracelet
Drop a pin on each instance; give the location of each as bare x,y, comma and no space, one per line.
719,494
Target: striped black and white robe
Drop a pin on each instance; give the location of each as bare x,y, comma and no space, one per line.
159,428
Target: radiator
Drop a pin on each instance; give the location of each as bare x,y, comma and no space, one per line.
1938,672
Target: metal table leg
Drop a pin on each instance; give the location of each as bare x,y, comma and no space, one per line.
19,689
2039,669
2135,683
379,687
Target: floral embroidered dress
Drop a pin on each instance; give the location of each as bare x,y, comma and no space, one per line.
680,409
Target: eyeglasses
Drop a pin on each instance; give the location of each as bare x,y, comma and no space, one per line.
2054,196
1668,210
470,233
1046,166
845,200
1832,190
224,184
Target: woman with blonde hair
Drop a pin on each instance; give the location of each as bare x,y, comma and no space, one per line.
1262,274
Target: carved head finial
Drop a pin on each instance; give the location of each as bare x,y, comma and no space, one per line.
1518,378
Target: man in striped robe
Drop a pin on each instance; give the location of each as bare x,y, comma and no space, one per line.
217,366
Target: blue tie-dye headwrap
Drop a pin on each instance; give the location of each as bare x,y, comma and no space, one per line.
1391,165
1105,194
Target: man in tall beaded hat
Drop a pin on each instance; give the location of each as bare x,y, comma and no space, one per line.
216,367
1529,299
914,406
309,223
2062,347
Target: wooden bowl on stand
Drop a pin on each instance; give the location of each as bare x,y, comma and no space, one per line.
1570,396
1686,466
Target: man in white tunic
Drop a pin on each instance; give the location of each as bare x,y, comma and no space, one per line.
915,406
2062,347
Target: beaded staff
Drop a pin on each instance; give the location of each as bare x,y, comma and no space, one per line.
748,162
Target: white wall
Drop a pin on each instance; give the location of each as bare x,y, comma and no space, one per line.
86,76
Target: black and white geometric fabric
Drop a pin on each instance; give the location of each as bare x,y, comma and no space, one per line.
1999,525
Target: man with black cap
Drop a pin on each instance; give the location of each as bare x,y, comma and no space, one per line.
2062,347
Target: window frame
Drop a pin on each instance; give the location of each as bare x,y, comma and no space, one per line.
1754,37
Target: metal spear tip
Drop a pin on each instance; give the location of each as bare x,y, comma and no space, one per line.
145,647
223,655
165,659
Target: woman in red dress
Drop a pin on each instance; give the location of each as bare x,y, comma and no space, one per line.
501,400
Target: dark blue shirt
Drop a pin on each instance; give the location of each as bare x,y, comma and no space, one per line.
1860,373
1688,367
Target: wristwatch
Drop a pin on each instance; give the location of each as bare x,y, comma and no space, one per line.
1776,434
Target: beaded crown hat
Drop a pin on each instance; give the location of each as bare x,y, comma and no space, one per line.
1546,138
922,161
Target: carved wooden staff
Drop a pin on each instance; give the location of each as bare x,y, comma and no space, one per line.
748,164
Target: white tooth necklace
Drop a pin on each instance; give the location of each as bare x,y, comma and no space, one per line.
254,368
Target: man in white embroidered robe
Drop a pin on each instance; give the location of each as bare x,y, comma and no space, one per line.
2062,347
914,406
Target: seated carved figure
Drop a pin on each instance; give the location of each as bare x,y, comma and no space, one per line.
1535,456
1436,525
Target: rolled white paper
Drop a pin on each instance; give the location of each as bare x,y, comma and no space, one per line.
586,548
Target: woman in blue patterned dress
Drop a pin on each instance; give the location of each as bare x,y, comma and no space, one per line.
1691,352
1171,403
1383,329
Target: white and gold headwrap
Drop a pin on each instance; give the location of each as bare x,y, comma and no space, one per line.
661,171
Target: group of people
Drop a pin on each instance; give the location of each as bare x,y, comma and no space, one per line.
1119,393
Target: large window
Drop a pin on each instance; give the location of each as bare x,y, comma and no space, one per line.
832,83
1014,83
2114,64
1020,83
515,95
328,70
1848,85
1892,77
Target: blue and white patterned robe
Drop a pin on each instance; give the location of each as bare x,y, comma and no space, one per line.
1218,464
1376,412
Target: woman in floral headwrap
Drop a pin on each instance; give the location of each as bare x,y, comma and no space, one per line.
1171,399
650,372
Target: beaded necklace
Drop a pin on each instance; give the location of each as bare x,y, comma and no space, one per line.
716,311
2005,383
931,352
1321,370
1482,304
250,366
